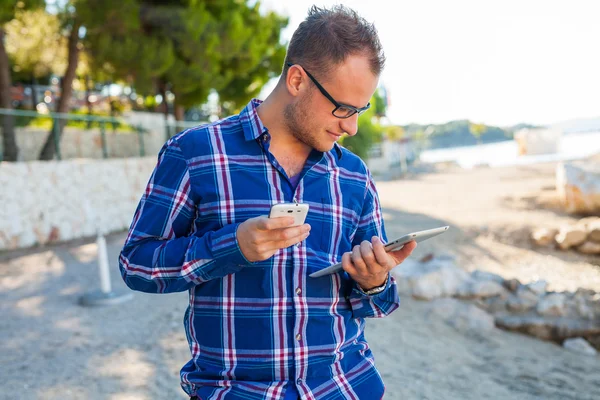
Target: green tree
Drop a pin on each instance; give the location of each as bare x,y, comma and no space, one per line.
393,133
186,47
261,59
369,131
8,10
71,23
35,47
477,130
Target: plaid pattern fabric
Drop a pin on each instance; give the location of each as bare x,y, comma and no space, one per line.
253,328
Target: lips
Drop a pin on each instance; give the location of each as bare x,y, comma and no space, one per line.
336,136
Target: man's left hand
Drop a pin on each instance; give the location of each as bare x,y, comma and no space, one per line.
369,264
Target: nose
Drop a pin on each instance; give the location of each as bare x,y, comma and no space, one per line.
350,125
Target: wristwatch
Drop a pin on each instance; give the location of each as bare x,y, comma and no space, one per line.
375,290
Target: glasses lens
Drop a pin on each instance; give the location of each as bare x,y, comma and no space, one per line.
344,112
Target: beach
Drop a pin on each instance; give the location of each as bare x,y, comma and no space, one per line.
53,348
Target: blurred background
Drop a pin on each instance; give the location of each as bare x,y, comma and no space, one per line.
487,119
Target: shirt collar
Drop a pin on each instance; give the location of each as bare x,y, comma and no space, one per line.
254,128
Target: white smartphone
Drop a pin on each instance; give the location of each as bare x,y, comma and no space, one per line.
296,210
394,245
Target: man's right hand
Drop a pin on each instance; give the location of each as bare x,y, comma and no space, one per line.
259,238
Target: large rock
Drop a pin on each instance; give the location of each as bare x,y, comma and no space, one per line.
578,186
438,277
553,304
462,316
580,345
593,229
480,289
544,236
570,236
523,300
548,328
589,247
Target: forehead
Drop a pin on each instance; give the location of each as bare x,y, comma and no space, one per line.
352,82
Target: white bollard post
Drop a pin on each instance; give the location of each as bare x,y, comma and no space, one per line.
103,264
105,296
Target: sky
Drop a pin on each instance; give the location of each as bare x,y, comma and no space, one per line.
494,62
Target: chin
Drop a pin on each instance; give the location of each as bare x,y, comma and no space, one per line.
325,147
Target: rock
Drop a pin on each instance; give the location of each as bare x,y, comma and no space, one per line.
538,287
588,222
548,328
582,308
579,345
436,278
480,289
493,305
512,284
594,341
578,186
544,236
462,316
570,236
553,304
524,300
593,230
486,276
589,247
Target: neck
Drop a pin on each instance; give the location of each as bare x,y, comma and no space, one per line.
271,113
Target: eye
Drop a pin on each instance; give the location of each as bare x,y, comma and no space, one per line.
344,112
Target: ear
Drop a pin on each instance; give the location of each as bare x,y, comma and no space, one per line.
295,81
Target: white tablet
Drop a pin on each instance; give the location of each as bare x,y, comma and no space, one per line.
391,246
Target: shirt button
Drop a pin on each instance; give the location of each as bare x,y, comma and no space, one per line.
299,244
299,381
298,337
298,290
265,138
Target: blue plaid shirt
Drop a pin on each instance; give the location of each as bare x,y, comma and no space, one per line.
256,329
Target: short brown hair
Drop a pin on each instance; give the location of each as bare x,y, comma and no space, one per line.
328,36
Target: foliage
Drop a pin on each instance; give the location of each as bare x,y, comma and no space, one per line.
35,45
8,8
186,47
369,130
477,130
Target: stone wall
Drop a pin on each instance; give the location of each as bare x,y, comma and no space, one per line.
55,201
87,143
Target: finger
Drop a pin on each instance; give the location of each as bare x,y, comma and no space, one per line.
289,236
266,224
366,252
357,260
401,255
381,255
347,264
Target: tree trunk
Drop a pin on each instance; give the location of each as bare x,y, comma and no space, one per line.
162,90
88,93
179,116
9,142
66,91
33,93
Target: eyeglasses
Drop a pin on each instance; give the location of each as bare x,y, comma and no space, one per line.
341,110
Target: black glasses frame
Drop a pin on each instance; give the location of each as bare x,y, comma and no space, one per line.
351,109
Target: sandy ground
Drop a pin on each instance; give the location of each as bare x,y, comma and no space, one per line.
52,348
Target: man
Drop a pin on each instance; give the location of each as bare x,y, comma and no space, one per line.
258,326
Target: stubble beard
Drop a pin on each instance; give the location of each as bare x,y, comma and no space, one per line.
297,121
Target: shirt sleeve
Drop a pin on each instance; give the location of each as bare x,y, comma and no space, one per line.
371,224
163,252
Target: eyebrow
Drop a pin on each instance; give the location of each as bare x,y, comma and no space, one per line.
326,91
